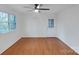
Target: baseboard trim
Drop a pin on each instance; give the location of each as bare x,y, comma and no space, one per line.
9,46
68,45
36,37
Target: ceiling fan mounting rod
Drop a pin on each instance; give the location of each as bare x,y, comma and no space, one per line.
37,6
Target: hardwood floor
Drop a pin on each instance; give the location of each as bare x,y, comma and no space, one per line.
39,46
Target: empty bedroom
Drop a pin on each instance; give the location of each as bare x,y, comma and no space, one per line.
39,29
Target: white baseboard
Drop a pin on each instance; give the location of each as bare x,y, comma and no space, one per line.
76,49
4,46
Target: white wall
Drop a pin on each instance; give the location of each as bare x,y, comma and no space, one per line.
36,25
6,40
68,27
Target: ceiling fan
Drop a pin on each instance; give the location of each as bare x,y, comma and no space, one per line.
37,8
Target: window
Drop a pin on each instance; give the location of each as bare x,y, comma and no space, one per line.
50,23
7,22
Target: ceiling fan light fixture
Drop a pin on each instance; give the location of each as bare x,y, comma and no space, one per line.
36,10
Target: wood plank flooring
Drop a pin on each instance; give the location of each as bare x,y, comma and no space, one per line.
39,46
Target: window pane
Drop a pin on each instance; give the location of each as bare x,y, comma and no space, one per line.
50,23
3,17
11,18
12,22
7,22
3,22
4,27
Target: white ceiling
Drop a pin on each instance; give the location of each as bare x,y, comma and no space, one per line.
54,8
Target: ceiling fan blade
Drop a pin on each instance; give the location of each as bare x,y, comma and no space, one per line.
43,9
28,7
